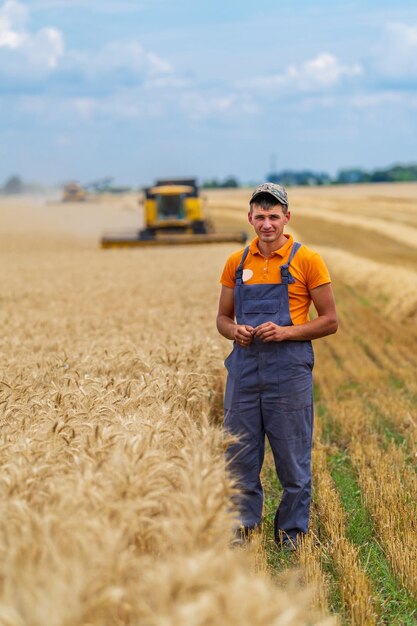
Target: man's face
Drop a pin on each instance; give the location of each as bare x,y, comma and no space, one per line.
269,224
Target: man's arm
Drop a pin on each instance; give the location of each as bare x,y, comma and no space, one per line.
226,325
324,324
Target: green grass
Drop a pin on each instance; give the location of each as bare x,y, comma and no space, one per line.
359,340
395,382
381,423
363,300
389,432
336,604
396,604
385,427
278,560
331,431
348,388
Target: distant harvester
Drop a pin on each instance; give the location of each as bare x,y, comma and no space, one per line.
74,192
173,212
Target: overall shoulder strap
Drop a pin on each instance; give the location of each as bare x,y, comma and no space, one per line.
239,271
286,276
295,247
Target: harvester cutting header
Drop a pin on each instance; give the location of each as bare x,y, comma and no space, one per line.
173,214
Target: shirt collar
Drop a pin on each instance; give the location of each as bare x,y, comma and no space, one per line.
282,252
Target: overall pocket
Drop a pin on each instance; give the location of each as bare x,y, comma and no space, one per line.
270,306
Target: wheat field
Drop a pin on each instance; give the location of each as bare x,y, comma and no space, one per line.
115,498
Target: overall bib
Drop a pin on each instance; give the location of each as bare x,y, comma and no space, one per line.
269,392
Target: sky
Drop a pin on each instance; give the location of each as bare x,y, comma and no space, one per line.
144,89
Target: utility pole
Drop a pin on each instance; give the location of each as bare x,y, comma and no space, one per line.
273,162
273,174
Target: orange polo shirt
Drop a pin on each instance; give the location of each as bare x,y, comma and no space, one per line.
307,268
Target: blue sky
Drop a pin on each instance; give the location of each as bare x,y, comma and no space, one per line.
139,90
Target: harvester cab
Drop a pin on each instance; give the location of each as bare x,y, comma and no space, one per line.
174,206
173,214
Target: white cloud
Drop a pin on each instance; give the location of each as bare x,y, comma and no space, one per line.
356,101
124,104
29,55
9,38
135,103
158,65
46,48
383,99
326,70
171,81
396,55
13,18
371,100
321,72
120,64
197,105
41,50
84,107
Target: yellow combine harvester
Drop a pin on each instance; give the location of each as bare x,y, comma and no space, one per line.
173,214
74,192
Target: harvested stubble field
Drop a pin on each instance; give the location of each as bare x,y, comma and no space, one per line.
114,493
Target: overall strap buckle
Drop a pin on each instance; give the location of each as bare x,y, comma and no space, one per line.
286,277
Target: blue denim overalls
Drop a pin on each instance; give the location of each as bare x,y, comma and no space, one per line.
269,392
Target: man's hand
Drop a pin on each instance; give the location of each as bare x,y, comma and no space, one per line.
243,334
271,332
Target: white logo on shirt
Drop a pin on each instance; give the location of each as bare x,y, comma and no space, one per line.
247,275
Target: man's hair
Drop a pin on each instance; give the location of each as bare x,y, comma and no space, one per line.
267,202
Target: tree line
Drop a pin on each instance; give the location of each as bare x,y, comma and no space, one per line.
395,173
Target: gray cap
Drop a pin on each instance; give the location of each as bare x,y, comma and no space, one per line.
273,189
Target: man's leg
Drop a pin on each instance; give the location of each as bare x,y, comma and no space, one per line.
245,458
287,409
289,433
243,420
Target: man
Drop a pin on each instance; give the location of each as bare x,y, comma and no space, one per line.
264,306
